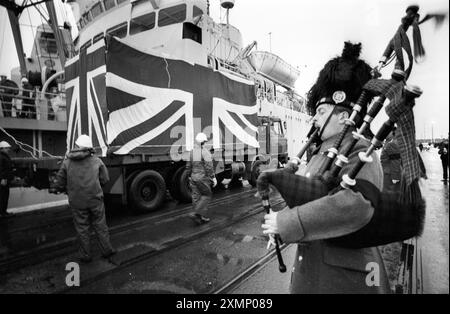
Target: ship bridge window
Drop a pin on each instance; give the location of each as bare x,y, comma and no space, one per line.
172,15
87,17
118,30
193,32
47,43
96,10
142,23
196,12
48,46
97,38
109,4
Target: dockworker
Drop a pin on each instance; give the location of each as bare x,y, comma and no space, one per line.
319,265
392,164
6,176
82,175
202,178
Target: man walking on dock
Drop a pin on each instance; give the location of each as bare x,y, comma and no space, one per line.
202,178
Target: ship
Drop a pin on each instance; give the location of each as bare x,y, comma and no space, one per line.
176,30
160,25
163,26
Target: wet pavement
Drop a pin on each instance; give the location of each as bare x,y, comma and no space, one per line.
198,267
434,243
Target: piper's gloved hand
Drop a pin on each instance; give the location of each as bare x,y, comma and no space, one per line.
270,225
271,228
3,182
214,182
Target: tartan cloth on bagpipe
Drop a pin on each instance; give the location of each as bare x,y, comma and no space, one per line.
399,42
393,220
401,113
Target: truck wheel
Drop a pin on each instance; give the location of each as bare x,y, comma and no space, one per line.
185,192
256,170
147,191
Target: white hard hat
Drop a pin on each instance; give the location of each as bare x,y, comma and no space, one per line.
4,144
84,141
24,80
201,138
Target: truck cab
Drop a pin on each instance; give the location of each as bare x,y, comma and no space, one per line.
273,151
272,140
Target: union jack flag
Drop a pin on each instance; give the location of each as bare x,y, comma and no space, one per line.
154,103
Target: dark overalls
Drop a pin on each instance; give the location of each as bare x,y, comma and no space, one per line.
82,175
201,169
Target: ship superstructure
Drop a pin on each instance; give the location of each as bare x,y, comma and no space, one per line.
184,29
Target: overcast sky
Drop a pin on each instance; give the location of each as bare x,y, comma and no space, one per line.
307,33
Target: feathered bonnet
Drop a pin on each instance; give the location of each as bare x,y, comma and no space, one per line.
341,81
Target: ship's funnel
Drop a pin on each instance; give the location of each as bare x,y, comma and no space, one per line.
227,4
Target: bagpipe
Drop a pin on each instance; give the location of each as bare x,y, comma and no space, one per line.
396,217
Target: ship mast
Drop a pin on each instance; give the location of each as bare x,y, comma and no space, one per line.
227,4
14,12
53,22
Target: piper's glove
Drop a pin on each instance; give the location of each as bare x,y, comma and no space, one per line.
214,182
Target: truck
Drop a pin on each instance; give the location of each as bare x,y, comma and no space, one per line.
152,115
148,76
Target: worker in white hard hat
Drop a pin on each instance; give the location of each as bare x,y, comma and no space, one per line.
202,178
6,176
82,175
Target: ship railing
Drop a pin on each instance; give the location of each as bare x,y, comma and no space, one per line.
282,99
32,104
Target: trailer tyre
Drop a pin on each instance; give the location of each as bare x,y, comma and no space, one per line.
174,187
184,189
147,191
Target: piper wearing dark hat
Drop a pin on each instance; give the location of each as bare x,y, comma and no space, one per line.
319,265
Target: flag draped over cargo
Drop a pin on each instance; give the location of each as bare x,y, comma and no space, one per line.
86,96
153,105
